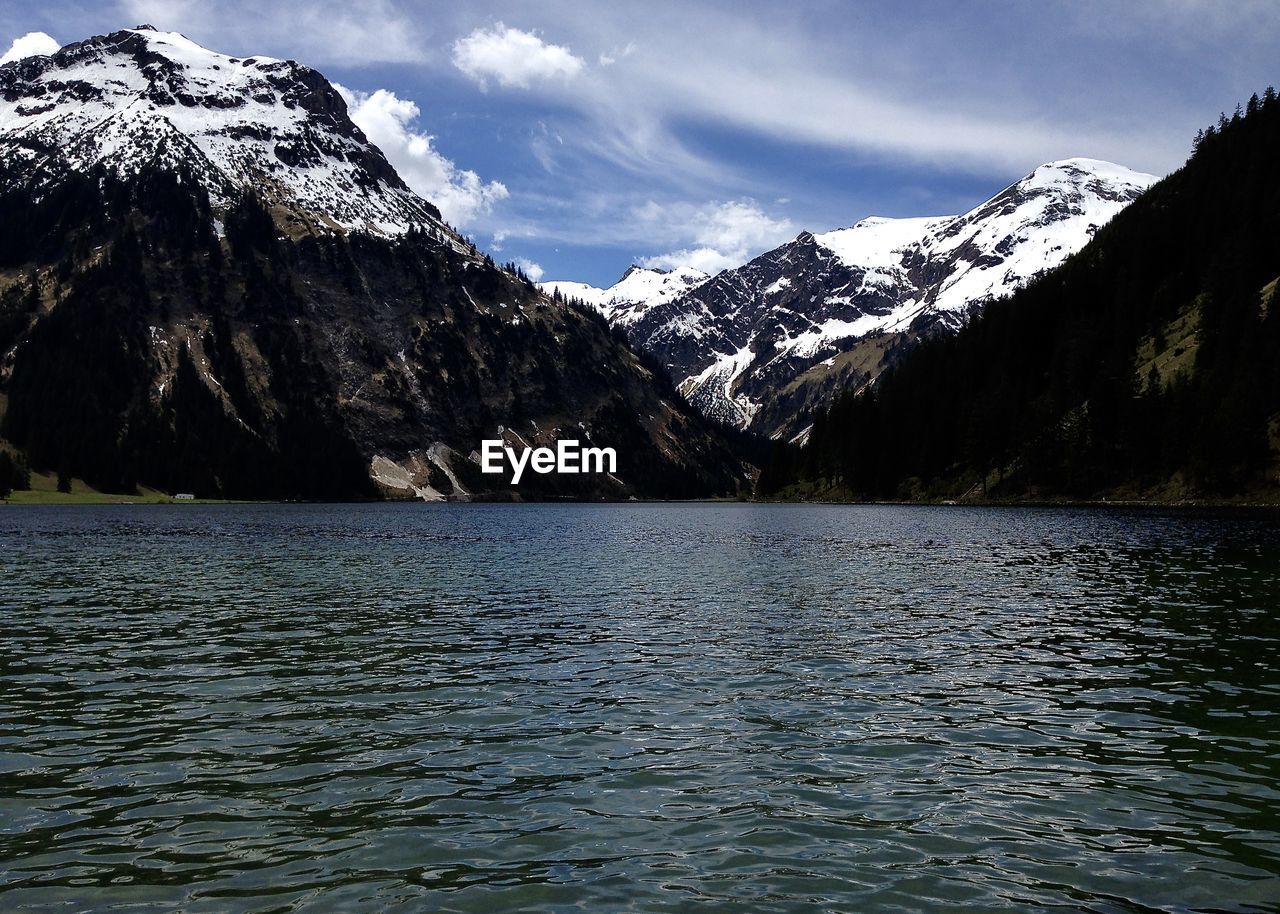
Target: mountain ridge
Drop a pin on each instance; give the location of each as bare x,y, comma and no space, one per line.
142,96
636,291
764,345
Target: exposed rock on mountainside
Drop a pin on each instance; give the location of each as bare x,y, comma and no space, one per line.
766,344
210,281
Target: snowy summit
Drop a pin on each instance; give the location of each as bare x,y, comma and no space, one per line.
639,289
141,96
763,344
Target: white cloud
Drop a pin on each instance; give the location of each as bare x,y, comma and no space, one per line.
512,57
533,270
663,123
30,45
609,59
387,120
315,32
544,144
708,260
723,235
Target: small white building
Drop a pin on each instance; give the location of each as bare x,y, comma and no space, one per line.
184,496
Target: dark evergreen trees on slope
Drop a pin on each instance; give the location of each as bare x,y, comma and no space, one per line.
14,473
137,347
1148,364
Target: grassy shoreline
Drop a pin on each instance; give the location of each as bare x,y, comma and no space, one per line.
44,491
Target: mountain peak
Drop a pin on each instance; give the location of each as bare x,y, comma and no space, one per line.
636,268
766,342
639,289
1097,173
146,98
1084,163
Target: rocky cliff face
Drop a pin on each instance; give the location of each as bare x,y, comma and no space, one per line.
761,346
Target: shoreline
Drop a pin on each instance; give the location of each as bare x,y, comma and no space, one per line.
41,499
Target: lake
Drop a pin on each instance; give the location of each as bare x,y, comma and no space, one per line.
271,708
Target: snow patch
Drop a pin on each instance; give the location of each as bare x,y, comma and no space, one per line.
639,290
712,389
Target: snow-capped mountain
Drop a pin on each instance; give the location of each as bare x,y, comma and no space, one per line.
639,289
141,97
212,282
764,344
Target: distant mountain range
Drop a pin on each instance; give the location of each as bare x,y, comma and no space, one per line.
765,345
212,282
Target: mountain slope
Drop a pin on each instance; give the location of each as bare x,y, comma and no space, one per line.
766,344
142,98
211,282
1145,367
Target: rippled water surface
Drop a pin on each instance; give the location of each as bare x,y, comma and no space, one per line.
638,708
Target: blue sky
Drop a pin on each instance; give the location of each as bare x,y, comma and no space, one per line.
582,137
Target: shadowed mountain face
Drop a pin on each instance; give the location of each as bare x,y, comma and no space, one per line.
211,282
765,345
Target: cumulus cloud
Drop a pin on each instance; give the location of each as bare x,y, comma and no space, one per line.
513,58
388,121
30,45
723,234
533,270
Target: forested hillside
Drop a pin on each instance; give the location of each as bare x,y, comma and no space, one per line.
146,341
1145,367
